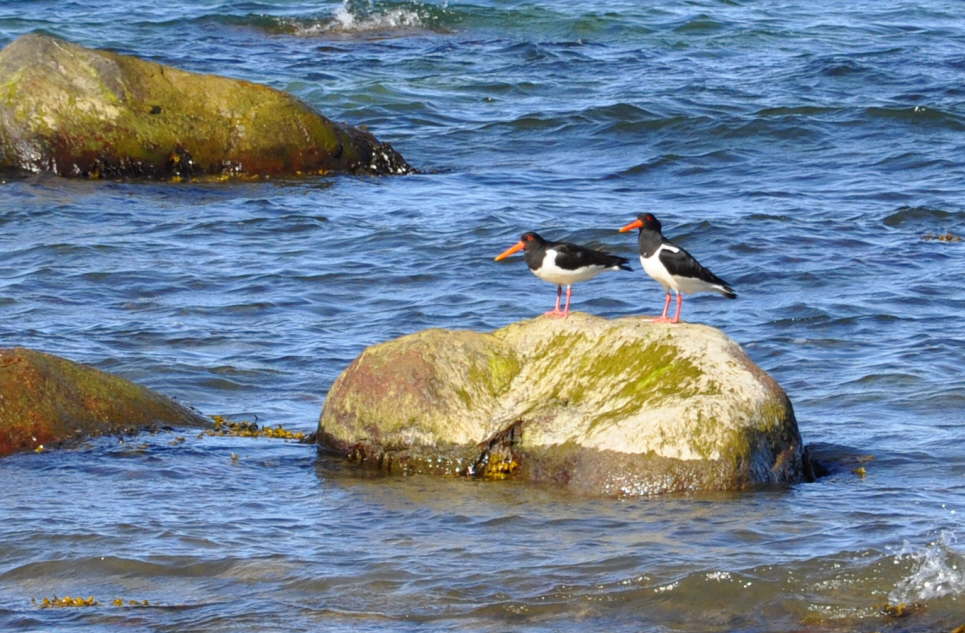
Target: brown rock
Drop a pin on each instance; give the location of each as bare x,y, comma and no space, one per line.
46,400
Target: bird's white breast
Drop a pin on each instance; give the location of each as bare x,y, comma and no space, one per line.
655,268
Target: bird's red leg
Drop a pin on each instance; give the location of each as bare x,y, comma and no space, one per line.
555,312
569,294
666,307
680,303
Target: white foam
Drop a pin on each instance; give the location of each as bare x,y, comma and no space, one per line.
399,17
937,571
353,16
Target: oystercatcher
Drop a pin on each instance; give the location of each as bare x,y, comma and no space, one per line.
672,266
563,264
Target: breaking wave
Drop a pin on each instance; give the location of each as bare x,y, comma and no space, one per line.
937,571
355,17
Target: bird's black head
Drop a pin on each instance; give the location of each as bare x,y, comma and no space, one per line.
644,222
649,222
526,241
530,238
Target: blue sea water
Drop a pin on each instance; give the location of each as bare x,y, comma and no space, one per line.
807,152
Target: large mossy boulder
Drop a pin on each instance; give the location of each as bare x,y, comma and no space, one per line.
75,111
608,407
46,400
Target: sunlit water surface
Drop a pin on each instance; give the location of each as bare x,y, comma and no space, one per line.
802,150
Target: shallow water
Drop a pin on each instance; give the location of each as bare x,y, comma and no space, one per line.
800,150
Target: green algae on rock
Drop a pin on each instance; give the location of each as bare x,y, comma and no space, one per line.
610,407
47,400
74,111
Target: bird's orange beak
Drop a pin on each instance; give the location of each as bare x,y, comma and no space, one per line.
515,248
636,224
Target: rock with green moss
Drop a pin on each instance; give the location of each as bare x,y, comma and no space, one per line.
75,111
46,400
621,407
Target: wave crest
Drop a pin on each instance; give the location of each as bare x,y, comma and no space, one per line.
936,572
369,17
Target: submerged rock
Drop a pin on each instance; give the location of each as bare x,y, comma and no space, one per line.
611,407
75,111
46,400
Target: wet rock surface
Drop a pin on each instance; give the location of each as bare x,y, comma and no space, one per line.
75,111
46,401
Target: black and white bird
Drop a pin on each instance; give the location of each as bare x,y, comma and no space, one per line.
563,264
673,267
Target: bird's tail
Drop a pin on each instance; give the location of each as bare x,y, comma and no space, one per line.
726,290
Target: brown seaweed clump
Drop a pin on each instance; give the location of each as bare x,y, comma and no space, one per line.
948,236
224,427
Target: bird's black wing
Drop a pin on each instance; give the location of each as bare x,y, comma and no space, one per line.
574,256
679,262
